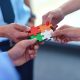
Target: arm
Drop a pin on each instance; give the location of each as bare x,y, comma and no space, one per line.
19,32
7,70
67,33
27,2
70,6
19,54
2,32
55,16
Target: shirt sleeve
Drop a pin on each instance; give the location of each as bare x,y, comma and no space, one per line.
7,70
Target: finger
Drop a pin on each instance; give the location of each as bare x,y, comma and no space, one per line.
66,40
61,38
61,28
64,27
31,54
16,40
23,35
36,47
20,27
54,21
57,39
44,18
41,43
27,29
57,33
27,57
28,43
54,27
49,18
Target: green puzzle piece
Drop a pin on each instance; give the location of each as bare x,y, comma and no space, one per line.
38,37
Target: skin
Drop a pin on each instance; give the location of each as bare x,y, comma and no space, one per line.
32,22
27,2
24,50
55,16
67,33
14,32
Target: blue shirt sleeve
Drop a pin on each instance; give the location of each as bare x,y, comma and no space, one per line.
7,70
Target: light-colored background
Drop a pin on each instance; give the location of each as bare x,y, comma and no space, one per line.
40,7
56,63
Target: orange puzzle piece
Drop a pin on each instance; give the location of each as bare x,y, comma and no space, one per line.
42,28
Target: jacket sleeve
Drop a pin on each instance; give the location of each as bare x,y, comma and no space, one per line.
7,69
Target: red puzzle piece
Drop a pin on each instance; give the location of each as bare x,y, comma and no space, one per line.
34,31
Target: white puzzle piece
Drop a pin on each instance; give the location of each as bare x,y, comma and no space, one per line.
47,34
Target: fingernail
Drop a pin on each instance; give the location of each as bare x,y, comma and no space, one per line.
32,56
33,41
36,47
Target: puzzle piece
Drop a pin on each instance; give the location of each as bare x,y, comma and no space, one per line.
47,35
39,37
42,28
42,32
48,27
47,23
34,31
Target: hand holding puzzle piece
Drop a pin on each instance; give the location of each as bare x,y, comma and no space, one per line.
42,32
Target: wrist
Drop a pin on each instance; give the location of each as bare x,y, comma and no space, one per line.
61,12
2,32
11,54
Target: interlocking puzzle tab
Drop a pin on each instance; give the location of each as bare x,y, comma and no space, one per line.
41,33
39,37
34,31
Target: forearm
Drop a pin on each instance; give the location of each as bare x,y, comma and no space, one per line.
7,67
27,2
70,6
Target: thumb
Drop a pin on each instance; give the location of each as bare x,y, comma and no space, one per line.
57,33
23,34
20,27
54,27
28,43
19,48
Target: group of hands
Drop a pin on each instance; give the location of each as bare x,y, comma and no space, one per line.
26,49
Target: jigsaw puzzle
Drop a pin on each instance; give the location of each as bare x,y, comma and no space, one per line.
41,33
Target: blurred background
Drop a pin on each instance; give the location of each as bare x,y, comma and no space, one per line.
40,7
56,61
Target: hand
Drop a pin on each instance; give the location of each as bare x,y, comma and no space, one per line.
67,33
15,32
23,51
53,17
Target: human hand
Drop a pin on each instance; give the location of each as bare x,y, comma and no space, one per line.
66,33
23,51
15,32
53,17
